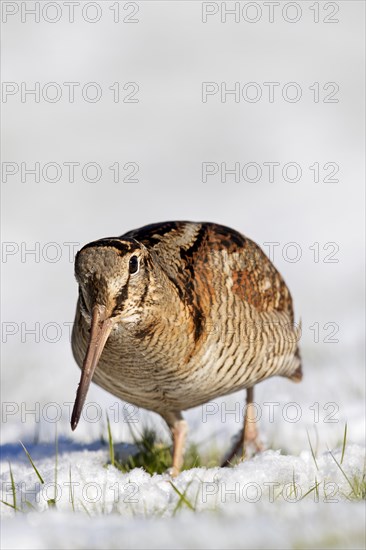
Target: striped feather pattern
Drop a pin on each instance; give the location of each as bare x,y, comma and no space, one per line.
207,314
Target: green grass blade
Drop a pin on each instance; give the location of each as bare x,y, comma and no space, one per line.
13,492
110,441
10,505
182,497
13,489
294,483
315,488
343,472
312,451
85,508
30,505
344,442
71,491
32,463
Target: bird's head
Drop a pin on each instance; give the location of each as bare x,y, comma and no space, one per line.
113,277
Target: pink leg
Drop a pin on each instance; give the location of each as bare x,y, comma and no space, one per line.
179,429
249,435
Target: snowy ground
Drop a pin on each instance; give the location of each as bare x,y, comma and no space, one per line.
169,133
254,505
267,501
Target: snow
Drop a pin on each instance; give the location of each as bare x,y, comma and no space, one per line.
278,527
248,506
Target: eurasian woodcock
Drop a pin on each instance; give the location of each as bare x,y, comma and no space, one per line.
175,314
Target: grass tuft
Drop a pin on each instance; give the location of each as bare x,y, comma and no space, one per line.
358,483
153,455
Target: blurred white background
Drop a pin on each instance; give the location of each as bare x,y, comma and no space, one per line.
169,52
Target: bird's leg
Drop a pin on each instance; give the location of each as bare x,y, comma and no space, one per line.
249,435
250,430
179,428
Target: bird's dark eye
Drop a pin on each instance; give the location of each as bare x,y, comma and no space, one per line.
133,264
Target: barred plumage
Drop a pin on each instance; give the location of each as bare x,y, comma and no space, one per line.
199,312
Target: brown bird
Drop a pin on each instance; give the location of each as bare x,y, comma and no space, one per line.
175,314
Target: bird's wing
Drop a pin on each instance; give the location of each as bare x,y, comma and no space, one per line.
187,251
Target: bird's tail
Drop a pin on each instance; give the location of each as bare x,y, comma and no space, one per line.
296,376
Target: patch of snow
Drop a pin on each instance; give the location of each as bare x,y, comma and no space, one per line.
255,504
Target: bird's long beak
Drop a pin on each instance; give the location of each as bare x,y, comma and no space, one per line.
99,332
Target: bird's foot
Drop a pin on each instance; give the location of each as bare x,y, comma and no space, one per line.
245,447
235,449
173,472
252,446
